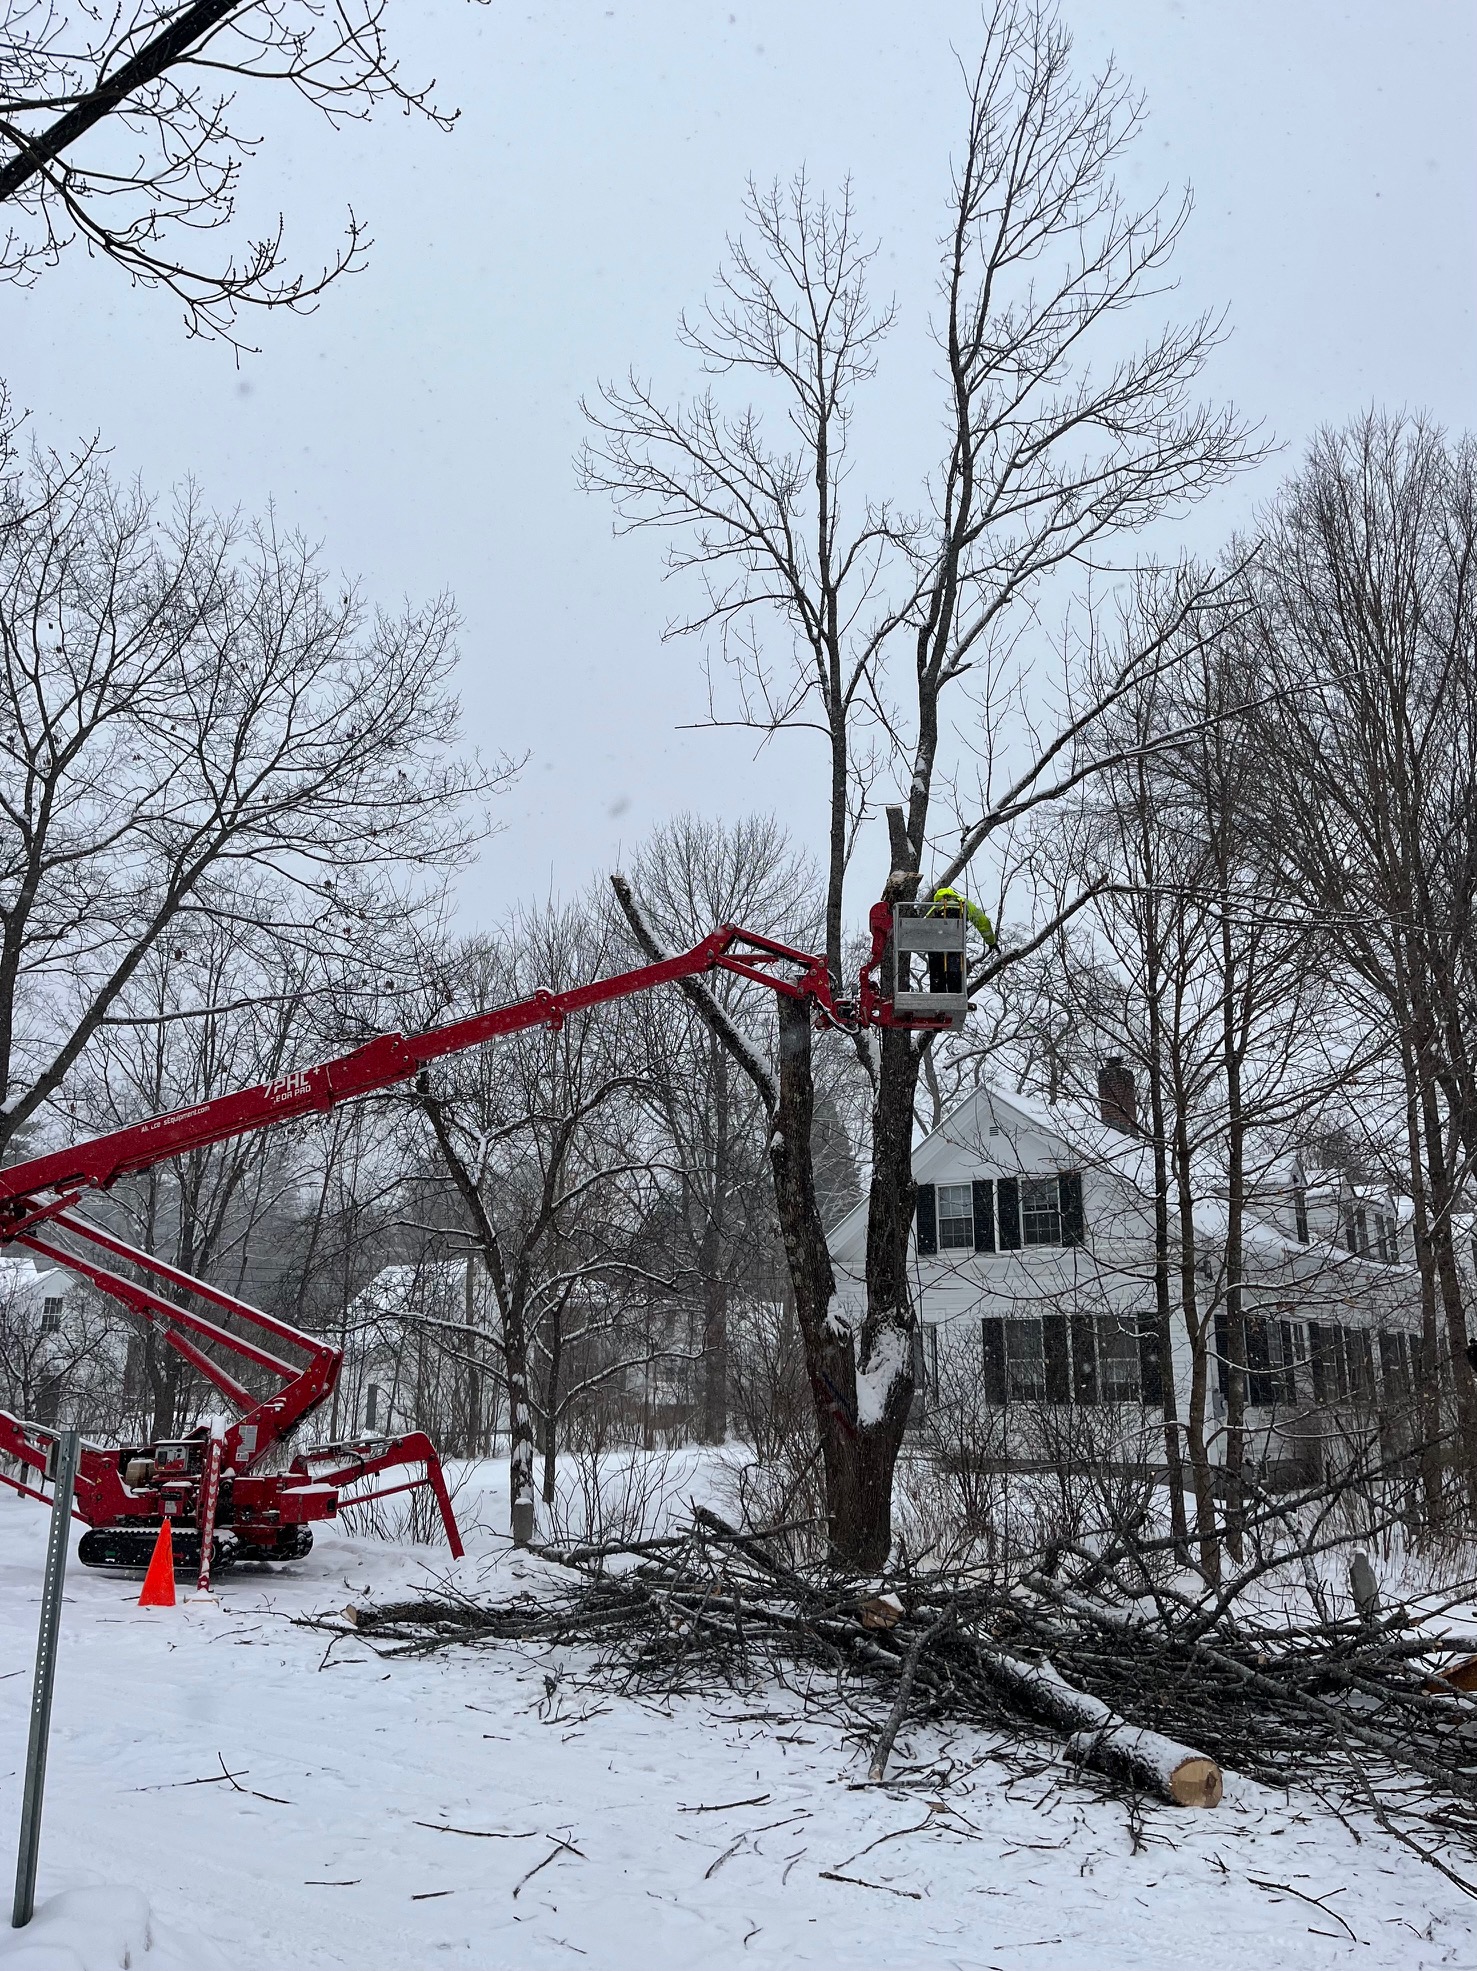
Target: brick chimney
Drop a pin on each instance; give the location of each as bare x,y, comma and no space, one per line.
1117,1097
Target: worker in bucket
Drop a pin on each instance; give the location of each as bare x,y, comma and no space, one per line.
946,968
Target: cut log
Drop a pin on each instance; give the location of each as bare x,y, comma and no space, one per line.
1099,1738
1146,1758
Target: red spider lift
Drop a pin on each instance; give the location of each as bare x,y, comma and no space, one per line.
207,1484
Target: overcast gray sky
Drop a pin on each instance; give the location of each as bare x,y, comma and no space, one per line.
422,424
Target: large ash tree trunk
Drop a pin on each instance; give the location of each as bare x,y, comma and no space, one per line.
886,1381
862,1383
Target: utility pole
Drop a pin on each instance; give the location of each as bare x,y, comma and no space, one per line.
63,1474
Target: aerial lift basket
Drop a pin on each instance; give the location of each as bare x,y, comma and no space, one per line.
928,948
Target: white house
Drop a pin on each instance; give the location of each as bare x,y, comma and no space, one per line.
1034,1252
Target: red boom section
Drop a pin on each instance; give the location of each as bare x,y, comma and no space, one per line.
379,1064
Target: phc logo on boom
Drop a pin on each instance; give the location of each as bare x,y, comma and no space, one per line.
288,1087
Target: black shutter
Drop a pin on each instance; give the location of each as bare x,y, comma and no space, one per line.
993,1333
1008,1213
1318,1362
1151,1367
1069,1191
1223,1355
1260,1393
1084,1359
928,1220
1289,1363
1392,1372
984,1215
1054,1345
1422,1368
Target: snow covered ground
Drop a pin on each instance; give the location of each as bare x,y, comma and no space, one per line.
486,1809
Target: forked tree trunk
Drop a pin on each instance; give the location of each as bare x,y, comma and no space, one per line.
886,1379
859,1417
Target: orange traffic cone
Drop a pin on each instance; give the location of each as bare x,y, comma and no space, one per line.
158,1589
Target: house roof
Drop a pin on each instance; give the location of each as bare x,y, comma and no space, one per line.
1081,1139
19,1273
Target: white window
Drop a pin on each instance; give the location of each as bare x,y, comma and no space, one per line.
51,1316
956,1217
1117,1360
1041,1212
1025,1362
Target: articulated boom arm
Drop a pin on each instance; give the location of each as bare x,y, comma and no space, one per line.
37,1199
381,1063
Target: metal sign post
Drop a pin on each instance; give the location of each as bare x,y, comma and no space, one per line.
63,1475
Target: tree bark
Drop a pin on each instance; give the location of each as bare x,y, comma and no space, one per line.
1236,1391
1163,1300
510,1302
856,1460
1196,1328
551,1403
711,1259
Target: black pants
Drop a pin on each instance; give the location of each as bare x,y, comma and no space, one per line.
946,971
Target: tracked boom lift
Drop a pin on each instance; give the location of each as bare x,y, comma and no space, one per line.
209,1483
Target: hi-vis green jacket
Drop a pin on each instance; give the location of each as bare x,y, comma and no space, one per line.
976,916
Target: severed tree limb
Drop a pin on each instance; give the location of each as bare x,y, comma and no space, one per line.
1330,1715
877,1771
699,997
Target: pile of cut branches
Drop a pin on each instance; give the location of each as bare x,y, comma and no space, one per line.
1152,1700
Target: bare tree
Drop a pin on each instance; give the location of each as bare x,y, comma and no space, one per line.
120,128
1367,622
693,875
1056,442
545,1143
219,1005
61,1355
1215,988
183,701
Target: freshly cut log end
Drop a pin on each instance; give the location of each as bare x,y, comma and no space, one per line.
881,1612
1457,1676
1196,1782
